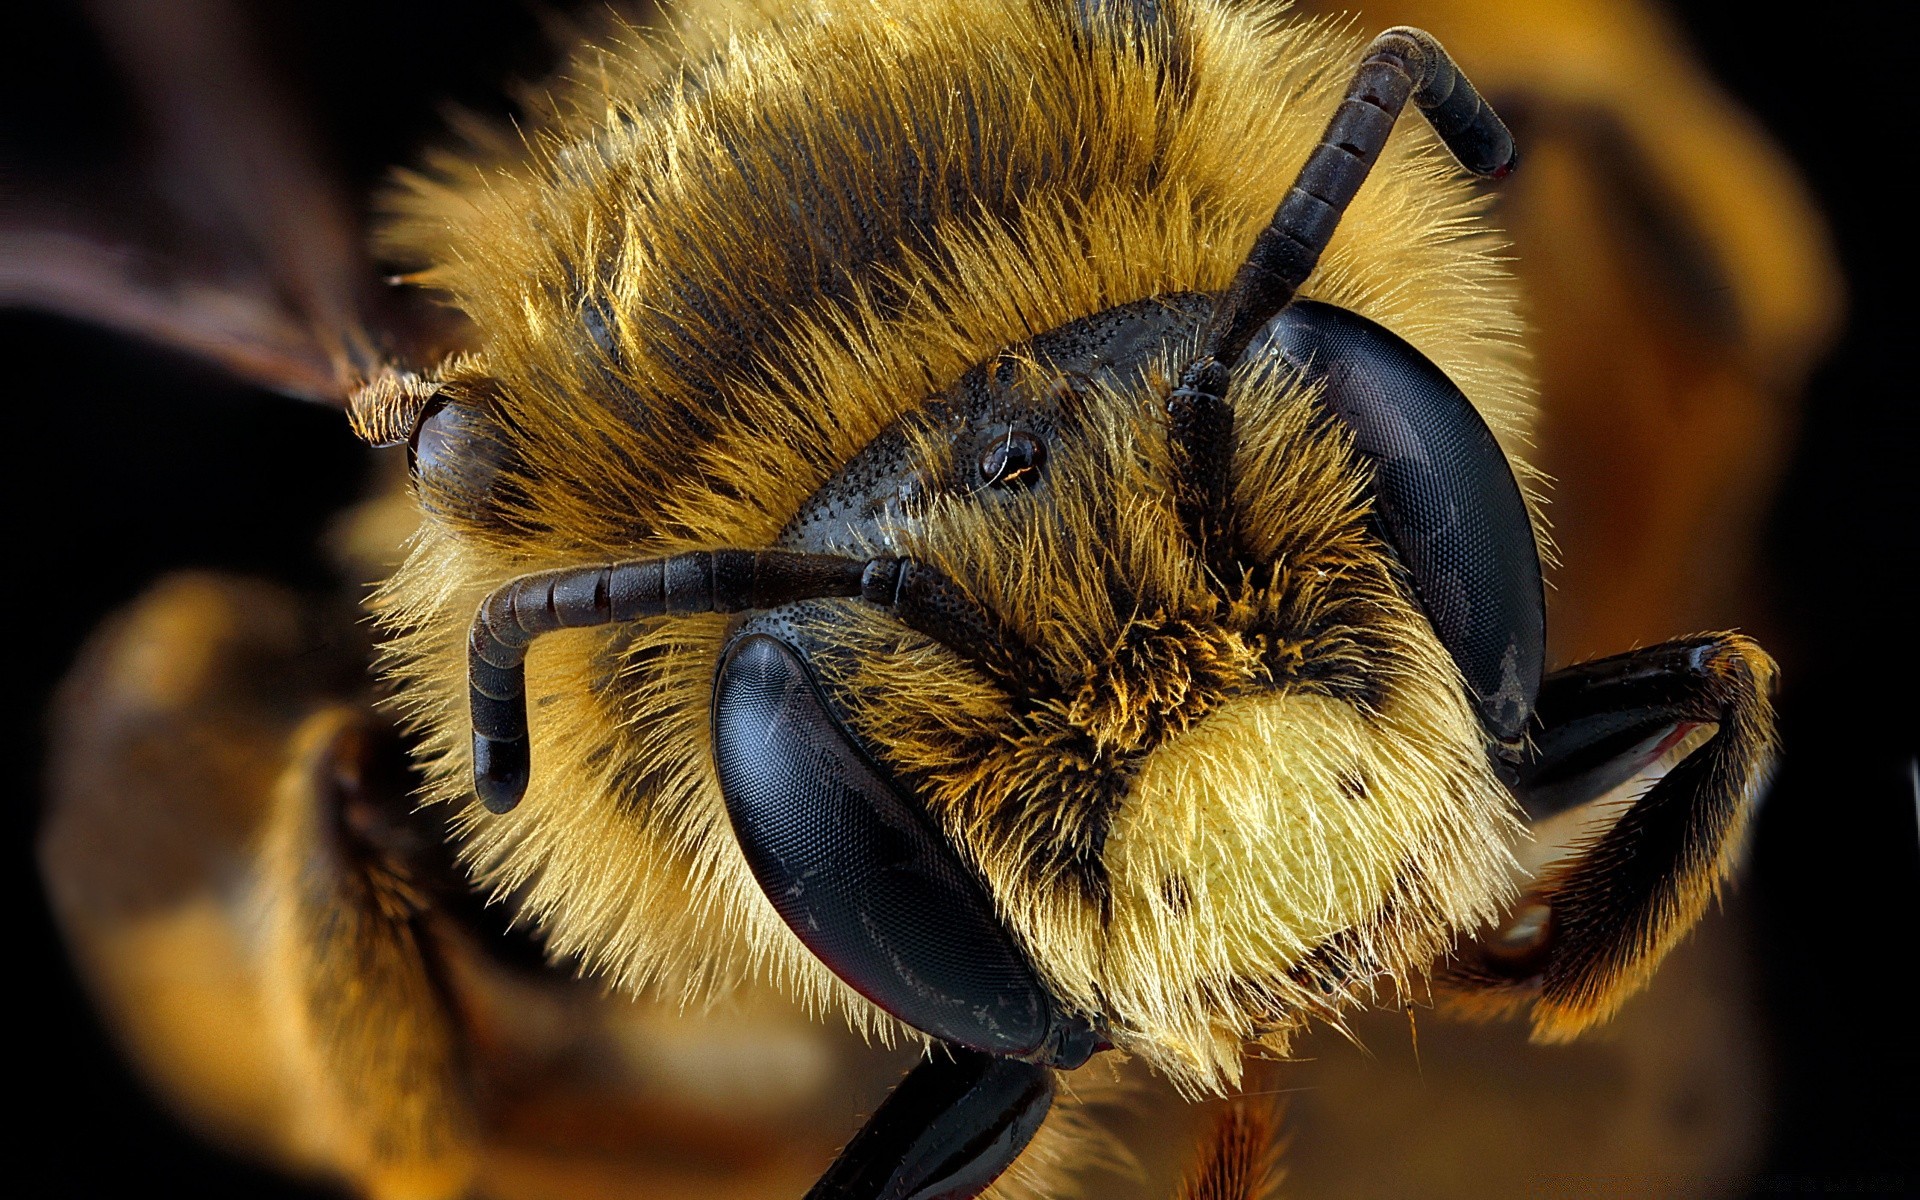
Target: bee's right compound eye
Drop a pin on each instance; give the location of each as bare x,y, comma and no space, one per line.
860,874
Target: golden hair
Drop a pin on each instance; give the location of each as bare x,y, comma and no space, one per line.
733,251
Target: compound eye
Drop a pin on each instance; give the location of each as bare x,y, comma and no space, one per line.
457,456
1446,495
430,434
1013,460
858,871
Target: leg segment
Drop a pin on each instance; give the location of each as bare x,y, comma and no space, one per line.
1638,863
952,1126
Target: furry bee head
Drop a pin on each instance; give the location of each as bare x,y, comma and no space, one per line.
918,280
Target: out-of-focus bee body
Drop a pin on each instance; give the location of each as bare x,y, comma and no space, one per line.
295,961
889,536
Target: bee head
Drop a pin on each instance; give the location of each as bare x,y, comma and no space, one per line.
1182,805
1204,744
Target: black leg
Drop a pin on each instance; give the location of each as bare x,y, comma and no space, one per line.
948,1131
1637,864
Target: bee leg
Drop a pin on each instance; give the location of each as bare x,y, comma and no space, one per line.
353,969
948,1130
1620,868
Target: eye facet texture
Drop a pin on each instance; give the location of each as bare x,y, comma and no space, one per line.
1446,493
857,872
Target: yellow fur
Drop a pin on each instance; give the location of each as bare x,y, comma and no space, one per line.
678,365
1241,801
1239,1157
352,993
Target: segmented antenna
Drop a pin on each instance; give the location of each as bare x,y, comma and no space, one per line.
1401,63
701,581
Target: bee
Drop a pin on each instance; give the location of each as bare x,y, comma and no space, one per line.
877,498
1004,520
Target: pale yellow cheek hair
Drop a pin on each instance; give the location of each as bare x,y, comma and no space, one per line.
1271,825
622,850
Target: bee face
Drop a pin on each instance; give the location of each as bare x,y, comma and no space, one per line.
1202,808
1119,649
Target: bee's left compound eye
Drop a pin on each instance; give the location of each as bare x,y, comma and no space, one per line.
1447,497
1013,460
860,874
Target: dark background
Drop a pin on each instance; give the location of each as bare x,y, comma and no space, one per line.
129,462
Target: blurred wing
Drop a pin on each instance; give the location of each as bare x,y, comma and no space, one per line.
94,278
258,264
